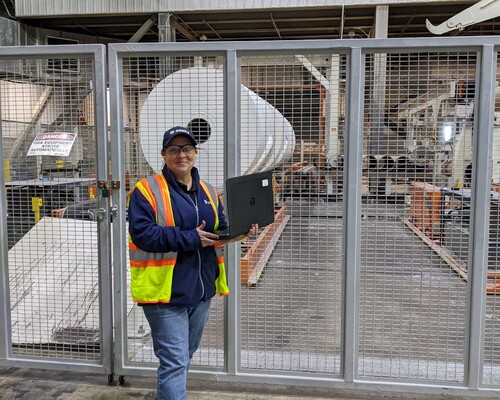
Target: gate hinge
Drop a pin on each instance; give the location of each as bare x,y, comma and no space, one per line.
115,184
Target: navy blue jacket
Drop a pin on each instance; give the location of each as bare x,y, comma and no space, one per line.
196,268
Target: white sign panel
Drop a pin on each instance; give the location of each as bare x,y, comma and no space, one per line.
52,144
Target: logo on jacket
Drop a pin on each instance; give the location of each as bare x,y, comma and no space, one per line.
206,201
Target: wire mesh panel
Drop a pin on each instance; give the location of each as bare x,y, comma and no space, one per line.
158,94
491,371
415,215
49,142
416,295
292,123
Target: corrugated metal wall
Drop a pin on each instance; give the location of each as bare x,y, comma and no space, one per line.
32,8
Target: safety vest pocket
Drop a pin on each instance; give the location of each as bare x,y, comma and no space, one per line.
152,284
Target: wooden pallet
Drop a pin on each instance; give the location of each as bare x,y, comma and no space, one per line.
492,287
259,251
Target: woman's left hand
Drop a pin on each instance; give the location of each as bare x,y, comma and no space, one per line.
252,231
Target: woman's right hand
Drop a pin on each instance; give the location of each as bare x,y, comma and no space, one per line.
207,238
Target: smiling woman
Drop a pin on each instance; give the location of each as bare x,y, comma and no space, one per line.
179,154
176,261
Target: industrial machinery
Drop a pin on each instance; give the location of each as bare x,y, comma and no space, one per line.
481,11
267,137
440,130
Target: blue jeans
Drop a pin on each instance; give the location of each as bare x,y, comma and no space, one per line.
176,333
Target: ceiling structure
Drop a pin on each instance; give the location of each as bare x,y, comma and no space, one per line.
273,24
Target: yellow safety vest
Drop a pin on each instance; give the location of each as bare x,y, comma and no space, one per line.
152,273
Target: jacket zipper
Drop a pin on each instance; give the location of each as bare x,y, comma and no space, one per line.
195,204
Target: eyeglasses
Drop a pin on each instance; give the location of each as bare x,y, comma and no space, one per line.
176,150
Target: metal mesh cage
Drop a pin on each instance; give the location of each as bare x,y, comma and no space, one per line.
291,274
492,315
416,176
48,136
417,141
160,93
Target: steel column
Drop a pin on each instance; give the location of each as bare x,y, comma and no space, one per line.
480,213
352,212
232,160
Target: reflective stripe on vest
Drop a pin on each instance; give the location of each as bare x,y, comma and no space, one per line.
214,206
221,286
152,273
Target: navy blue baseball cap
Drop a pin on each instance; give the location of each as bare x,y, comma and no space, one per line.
177,131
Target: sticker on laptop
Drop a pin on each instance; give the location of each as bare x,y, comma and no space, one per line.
265,182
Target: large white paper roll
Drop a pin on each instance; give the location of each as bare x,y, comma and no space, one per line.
194,96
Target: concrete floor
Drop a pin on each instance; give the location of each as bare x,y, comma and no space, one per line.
32,384
412,319
413,306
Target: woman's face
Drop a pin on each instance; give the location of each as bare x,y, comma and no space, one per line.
182,163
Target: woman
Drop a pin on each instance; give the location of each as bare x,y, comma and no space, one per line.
176,259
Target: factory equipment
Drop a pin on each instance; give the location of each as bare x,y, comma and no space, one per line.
439,127
193,97
441,218
483,10
440,135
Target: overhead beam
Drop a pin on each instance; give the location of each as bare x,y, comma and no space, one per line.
314,71
183,30
213,30
146,26
276,27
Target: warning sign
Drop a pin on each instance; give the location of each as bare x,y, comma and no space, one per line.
52,144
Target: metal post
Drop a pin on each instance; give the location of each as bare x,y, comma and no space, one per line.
232,168
119,221
378,143
480,214
103,226
5,320
166,31
377,140
332,110
351,211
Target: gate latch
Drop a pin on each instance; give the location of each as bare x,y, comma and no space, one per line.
97,214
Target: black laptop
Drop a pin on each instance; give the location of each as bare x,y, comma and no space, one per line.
248,199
